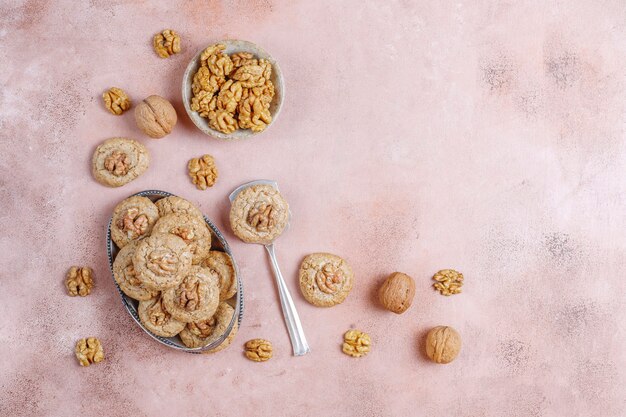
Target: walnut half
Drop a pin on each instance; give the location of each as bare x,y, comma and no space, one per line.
133,223
328,278
356,343
79,281
258,350
260,217
89,351
448,282
203,171
117,163
166,43
116,100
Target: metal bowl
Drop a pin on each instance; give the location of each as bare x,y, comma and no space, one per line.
218,243
233,46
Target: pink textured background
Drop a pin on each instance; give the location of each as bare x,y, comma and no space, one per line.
485,136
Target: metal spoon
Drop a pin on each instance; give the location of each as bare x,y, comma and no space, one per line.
292,320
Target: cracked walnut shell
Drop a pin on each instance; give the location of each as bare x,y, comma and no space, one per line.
116,100
79,281
356,343
89,351
449,282
166,43
397,292
203,171
258,350
443,344
155,116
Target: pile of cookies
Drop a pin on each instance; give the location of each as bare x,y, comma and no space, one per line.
166,262
233,91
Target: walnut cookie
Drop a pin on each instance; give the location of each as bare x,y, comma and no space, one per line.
177,205
118,161
204,332
124,274
189,228
195,298
221,264
325,279
133,219
162,261
259,214
157,319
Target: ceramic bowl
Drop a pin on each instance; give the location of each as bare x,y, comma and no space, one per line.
233,46
131,305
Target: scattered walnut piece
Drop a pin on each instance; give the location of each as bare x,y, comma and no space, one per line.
89,351
79,281
258,350
166,43
448,282
260,217
116,100
328,278
397,292
203,171
356,343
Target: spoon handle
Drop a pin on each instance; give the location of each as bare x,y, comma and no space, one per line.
292,321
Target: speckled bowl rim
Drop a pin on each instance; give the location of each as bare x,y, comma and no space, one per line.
131,304
232,46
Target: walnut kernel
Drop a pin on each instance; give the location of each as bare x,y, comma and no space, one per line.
443,344
328,278
117,163
261,218
133,223
79,281
203,171
258,350
166,43
448,282
397,292
188,294
116,100
162,261
89,351
356,343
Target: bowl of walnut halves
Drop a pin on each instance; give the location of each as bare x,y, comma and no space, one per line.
175,272
233,89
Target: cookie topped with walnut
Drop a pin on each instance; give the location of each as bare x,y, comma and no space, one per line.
191,229
133,220
325,279
161,261
259,214
118,161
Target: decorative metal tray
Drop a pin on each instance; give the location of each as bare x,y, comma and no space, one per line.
218,243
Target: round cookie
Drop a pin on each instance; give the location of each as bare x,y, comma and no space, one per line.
177,205
156,318
222,265
118,161
226,341
124,274
195,298
191,229
325,279
259,214
162,261
204,332
133,219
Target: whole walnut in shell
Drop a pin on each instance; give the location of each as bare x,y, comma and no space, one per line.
443,344
155,116
397,292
